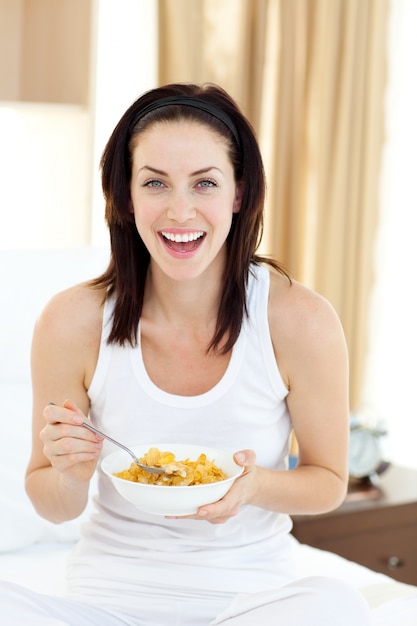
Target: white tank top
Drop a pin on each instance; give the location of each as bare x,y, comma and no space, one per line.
246,409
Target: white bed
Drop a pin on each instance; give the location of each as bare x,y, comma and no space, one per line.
33,551
41,567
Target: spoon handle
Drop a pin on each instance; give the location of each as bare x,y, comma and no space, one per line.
116,443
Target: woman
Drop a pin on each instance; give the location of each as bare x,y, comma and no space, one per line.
189,336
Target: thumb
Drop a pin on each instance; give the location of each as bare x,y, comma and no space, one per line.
247,458
69,404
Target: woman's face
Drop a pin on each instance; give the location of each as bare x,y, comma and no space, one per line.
183,196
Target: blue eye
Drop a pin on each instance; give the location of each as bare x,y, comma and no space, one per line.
207,183
153,183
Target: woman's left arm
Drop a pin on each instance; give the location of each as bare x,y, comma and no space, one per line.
311,353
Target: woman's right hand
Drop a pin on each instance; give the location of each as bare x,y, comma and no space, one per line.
71,449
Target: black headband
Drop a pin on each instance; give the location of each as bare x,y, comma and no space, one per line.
190,101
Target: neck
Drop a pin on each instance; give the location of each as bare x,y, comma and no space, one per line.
190,302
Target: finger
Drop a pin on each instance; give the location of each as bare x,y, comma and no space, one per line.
65,462
245,458
212,520
64,448
69,413
71,447
65,422
222,510
79,416
55,431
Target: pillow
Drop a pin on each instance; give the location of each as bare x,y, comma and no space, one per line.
28,279
20,525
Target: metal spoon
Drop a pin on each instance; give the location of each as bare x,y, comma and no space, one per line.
167,469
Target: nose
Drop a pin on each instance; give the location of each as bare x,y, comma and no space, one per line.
181,207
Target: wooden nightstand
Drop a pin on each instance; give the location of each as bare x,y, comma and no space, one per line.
375,526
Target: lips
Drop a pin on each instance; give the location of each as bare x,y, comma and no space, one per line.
183,242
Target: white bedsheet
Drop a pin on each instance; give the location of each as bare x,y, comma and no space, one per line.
392,603
41,567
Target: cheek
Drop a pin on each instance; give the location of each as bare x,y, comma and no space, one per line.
222,223
140,222
143,231
145,216
131,200
145,212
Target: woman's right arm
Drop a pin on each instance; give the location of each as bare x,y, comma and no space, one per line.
64,455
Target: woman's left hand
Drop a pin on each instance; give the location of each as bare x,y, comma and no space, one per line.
240,493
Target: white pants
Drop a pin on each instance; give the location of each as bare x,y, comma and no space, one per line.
315,601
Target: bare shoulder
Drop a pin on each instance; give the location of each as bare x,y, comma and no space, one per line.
74,312
66,344
297,306
303,323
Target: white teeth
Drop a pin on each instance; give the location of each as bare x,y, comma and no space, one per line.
178,238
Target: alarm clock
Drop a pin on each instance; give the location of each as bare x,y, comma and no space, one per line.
365,451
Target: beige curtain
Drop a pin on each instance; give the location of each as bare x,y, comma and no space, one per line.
310,75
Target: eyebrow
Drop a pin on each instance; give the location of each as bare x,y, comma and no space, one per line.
203,170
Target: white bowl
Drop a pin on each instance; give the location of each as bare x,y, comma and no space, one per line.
171,500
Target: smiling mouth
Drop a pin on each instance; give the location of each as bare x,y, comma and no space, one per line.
183,242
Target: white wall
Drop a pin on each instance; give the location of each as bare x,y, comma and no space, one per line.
125,65
391,372
49,154
45,165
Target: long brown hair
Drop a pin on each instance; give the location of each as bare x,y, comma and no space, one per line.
126,274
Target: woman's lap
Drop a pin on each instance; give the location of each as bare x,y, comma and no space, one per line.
22,607
315,601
